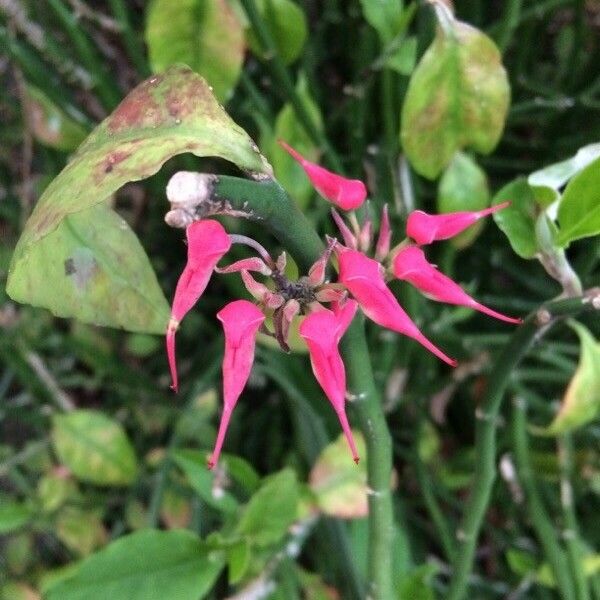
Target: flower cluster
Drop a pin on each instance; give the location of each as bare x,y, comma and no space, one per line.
361,283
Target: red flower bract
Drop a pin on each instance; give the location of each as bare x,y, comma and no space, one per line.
363,278
241,321
347,194
207,243
322,331
425,228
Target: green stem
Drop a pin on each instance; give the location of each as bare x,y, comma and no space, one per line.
485,432
539,517
271,206
283,79
134,48
571,533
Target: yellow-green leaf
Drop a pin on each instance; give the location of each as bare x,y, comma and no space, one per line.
94,447
207,35
581,402
457,97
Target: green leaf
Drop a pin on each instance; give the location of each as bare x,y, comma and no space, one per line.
416,585
207,35
193,464
80,530
94,447
287,127
385,16
238,560
518,220
581,403
458,96
49,124
287,23
93,267
579,210
146,565
13,515
271,510
557,174
403,60
463,187
166,115
339,485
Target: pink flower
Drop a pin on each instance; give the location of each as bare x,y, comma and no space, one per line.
425,228
347,194
241,321
363,277
322,331
207,243
411,265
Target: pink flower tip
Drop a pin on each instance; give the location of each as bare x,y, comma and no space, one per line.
425,228
347,194
356,459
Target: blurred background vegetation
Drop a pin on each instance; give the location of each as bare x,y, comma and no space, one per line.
72,480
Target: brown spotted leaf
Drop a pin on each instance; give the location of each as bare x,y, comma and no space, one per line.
458,97
166,115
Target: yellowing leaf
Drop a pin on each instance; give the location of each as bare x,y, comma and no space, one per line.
581,403
457,97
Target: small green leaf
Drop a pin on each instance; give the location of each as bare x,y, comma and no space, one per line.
166,115
403,60
207,35
146,565
193,464
238,560
339,485
53,490
579,210
581,403
94,447
287,127
463,187
287,23
416,585
49,124
385,16
93,267
518,220
13,515
80,530
556,175
458,96
271,510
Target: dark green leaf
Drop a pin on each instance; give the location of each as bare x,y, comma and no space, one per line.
518,220
270,512
147,565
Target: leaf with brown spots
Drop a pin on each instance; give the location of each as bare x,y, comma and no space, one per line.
458,97
166,115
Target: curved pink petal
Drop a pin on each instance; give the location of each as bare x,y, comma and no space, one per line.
411,265
363,277
207,243
347,194
425,228
322,332
241,321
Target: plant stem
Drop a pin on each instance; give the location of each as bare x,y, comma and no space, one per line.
571,535
539,517
268,203
282,76
533,328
